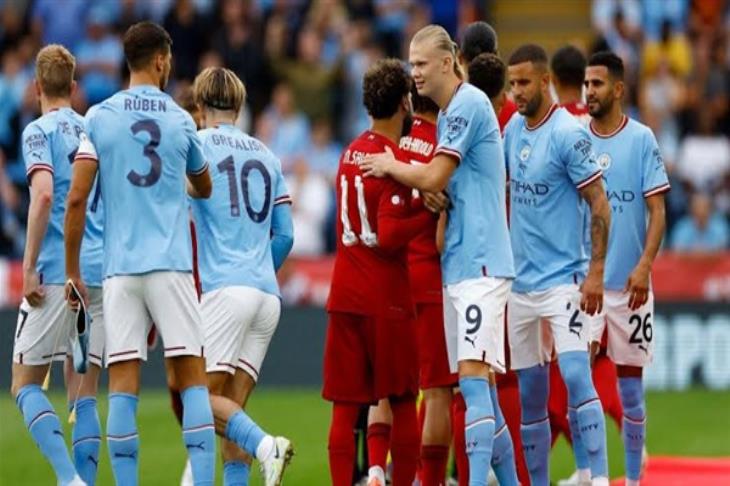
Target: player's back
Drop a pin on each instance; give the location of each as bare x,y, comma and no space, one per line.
145,143
477,240
548,165
632,170
234,225
579,110
368,280
50,143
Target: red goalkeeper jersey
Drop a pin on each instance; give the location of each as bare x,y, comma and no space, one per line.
376,221
424,261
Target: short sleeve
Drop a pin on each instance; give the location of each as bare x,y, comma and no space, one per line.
36,150
281,191
87,149
196,163
578,157
456,128
654,175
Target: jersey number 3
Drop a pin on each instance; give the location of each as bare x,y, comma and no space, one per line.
151,177
367,236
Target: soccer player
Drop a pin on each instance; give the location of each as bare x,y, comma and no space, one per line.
636,181
371,345
477,259
567,68
244,234
41,336
551,167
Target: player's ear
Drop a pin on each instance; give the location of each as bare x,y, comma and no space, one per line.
618,89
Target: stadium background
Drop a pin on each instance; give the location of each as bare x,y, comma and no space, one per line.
302,62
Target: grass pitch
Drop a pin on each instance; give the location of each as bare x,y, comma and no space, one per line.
690,423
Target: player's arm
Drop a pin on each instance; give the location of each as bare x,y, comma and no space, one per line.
82,181
398,224
41,201
595,196
441,231
432,177
638,282
199,186
282,233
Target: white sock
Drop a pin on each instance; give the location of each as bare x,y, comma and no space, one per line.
265,448
584,475
376,472
600,481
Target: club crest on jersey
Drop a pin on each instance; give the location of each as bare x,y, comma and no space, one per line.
604,161
525,153
455,125
396,200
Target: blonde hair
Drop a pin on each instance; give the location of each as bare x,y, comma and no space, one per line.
54,71
441,40
219,88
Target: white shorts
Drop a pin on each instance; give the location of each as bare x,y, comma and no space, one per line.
630,333
537,321
238,323
133,302
474,321
42,333
96,336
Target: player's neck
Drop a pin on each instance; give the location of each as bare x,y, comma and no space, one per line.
609,123
143,78
443,98
213,118
50,104
567,96
390,128
428,116
540,113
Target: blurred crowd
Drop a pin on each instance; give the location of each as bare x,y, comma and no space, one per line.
302,62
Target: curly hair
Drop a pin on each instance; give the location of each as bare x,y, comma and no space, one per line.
385,84
487,72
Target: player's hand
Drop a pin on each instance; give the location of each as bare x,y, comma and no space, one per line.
638,286
435,201
33,291
591,301
376,165
74,289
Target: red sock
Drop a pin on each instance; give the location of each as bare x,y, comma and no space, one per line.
433,464
405,441
421,421
176,404
341,444
458,422
378,444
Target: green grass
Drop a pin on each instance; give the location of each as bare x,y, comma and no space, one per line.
304,417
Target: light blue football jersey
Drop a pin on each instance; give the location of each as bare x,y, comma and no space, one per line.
476,241
233,227
145,144
632,170
50,143
548,165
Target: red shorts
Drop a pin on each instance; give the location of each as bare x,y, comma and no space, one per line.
367,358
433,359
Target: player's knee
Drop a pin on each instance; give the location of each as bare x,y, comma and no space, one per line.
576,372
632,396
533,385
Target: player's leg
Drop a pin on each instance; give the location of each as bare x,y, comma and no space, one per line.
528,346
630,346
509,401
478,306
380,419
436,381
173,306
503,453
41,333
82,391
458,424
572,334
236,462
395,365
348,384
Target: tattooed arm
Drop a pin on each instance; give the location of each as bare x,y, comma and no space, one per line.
592,288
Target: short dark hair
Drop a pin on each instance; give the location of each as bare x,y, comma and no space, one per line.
569,66
479,37
613,63
487,72
142,42
528,53
385,84
422,104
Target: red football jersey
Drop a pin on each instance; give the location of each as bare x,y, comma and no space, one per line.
376,221
509,108
580,111
424,261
